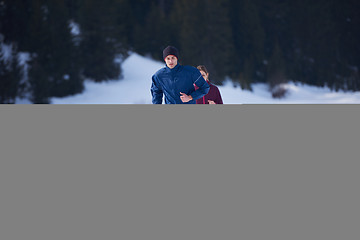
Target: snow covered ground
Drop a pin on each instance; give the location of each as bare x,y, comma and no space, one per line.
135,89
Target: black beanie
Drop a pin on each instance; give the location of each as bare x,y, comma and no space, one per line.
170,50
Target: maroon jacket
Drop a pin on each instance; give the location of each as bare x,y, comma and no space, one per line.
213,94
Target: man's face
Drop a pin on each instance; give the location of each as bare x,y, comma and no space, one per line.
171,61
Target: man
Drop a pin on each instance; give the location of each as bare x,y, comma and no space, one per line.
176,82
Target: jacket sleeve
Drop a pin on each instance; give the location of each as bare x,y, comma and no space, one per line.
203,87
156,92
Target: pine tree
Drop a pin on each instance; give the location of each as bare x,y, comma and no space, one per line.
218,49
54,69
205,35
276,71
324,43
11,75
14,22
39,82
249,41
156,33
5,79
98,45
16,78
189,19
347,21
64,68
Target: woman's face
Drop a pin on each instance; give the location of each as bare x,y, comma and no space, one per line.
205,75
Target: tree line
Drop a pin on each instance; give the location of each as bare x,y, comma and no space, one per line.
249,41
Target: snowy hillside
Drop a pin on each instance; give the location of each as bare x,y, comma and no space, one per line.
135,89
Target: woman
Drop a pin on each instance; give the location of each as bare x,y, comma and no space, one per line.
213,96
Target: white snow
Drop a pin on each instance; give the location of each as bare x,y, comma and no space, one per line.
6,50
75,28
134,88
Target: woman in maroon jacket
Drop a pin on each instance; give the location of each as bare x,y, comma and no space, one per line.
213,96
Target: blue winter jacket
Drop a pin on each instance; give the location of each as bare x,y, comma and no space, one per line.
170,82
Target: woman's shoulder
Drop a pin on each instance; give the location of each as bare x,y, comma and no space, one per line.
213,87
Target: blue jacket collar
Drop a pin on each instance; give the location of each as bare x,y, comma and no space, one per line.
175,69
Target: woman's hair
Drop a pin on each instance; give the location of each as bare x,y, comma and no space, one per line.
202,68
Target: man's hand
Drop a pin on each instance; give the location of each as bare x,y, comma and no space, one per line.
211,102
185,98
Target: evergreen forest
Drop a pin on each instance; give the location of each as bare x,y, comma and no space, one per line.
249,41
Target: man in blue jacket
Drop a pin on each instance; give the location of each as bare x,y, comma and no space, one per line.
176,82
